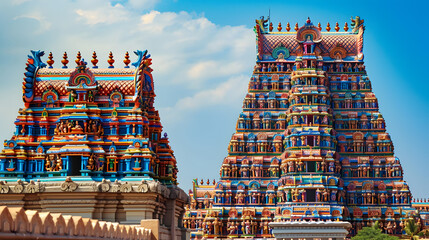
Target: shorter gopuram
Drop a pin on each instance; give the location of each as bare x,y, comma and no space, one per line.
89,142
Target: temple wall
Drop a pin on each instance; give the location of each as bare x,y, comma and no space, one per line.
17,223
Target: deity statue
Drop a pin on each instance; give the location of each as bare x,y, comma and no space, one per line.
72,96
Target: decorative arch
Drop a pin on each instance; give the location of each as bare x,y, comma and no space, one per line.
271,186
368,186
280,52
358,136
332,181
338,53
251,137
309,31
241,186
50,95
262,136
254,185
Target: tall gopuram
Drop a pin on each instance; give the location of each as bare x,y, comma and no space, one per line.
310,143
89,142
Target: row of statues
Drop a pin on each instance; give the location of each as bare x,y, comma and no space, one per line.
372,171
261,124
252,172
341,67
379,198
263,103
329,67
272,67
252,146
372,146
74,126
229,227
361,103
359,124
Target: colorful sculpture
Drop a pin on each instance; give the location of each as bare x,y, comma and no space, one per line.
310,143
91,124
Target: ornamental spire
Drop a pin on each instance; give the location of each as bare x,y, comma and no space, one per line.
288,27
127,60
78,58
50,61
65,61
110,61
94,60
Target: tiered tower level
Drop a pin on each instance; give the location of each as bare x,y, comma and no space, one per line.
310,143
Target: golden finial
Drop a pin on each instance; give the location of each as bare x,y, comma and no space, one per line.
202,182
127,60
214,182
94,60
346,27
279,27
328,27
288,27
50,61
110,61
296,27
337,27
319,26
208,181
65,61
78,57
271,26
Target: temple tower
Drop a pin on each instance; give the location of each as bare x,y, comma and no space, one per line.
310,143
89,142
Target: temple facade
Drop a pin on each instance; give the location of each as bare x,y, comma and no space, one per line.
310,142
90,139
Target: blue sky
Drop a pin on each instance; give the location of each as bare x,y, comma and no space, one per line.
203,54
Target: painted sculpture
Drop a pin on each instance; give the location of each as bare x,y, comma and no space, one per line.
310,143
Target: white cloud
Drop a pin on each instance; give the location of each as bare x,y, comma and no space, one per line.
148,18
44,23
228,93
225,93
215,68
105,14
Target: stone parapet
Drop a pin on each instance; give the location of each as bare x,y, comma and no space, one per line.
17,223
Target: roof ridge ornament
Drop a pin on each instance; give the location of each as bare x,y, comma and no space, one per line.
262,23
357,22
34,63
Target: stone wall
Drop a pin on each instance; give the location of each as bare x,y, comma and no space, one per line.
17,223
